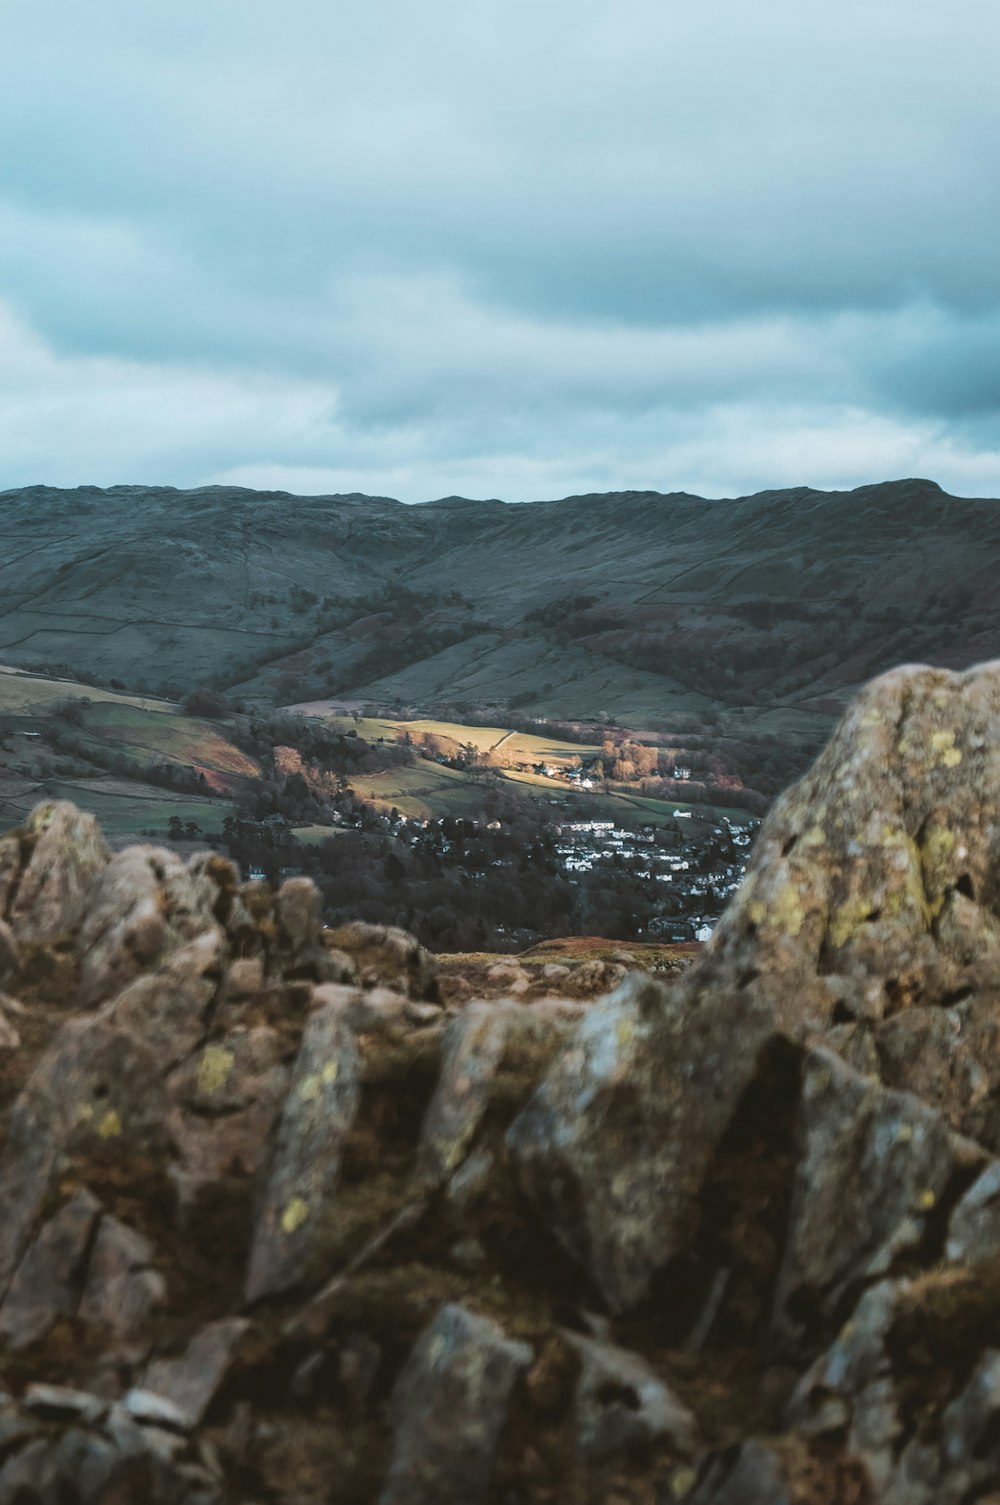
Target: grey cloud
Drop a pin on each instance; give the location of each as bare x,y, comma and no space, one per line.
552,242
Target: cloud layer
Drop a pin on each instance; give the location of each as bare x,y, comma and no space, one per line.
499,248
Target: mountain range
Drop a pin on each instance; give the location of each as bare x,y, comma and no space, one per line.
641,607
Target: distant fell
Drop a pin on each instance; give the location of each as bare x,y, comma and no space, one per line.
636,605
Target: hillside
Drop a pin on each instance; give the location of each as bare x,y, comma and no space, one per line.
639,606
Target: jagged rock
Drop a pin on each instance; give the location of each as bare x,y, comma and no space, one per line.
388,957
10,955
191,1381
48,1280
144,905
449,1409
874,1165
850,1389
295,1207
974,1226
299,906
95,1090
949,1057
226,1099
621,1403
748,1474
67,853
10,868
614,1146
167,1009
9,1037
63,1402
483,1043
122,1290
156,1410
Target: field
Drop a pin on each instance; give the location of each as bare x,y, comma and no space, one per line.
126,808
522,747
21,692
143,735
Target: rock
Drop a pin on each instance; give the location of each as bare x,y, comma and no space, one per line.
66,854
62,1401
292,1219
226,1099
167,1008
151,1409
95,1091
10,869
122,1291
749,1473
878,865
144,904
621,1404
299,906
192,1381
474,1045
874,1166
850,1390
613,1148
448,1411
9,1037
48,1281
10,955
244,978
974,1226
389,957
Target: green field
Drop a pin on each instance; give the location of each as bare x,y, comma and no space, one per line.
144,734
29,692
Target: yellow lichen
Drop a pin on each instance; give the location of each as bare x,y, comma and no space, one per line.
110,1125
848,918
926,1200
682,1482
213,1069
943,743
313,1085
294,1215
904,1134
85,1113
786,911
814,837
625,1032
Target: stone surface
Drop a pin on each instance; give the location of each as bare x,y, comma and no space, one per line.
66,853
191,1381
614,1146
449,1409
874,1167
389,957
144,904
48,1281
122,1291
622,1404
296,1205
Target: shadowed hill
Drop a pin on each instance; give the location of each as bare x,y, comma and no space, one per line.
636,603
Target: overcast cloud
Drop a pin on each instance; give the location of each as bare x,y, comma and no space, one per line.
507,248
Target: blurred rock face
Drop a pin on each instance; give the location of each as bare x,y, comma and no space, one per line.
302,1216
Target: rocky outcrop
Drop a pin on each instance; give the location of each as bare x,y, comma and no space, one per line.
296,1216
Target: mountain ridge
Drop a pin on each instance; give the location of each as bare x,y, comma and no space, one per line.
640,604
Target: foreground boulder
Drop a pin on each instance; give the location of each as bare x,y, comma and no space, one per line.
301,1217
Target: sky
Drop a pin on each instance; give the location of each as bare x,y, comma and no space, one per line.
514,248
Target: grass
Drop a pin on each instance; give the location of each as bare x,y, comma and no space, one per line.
519,745
30,692
186,740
